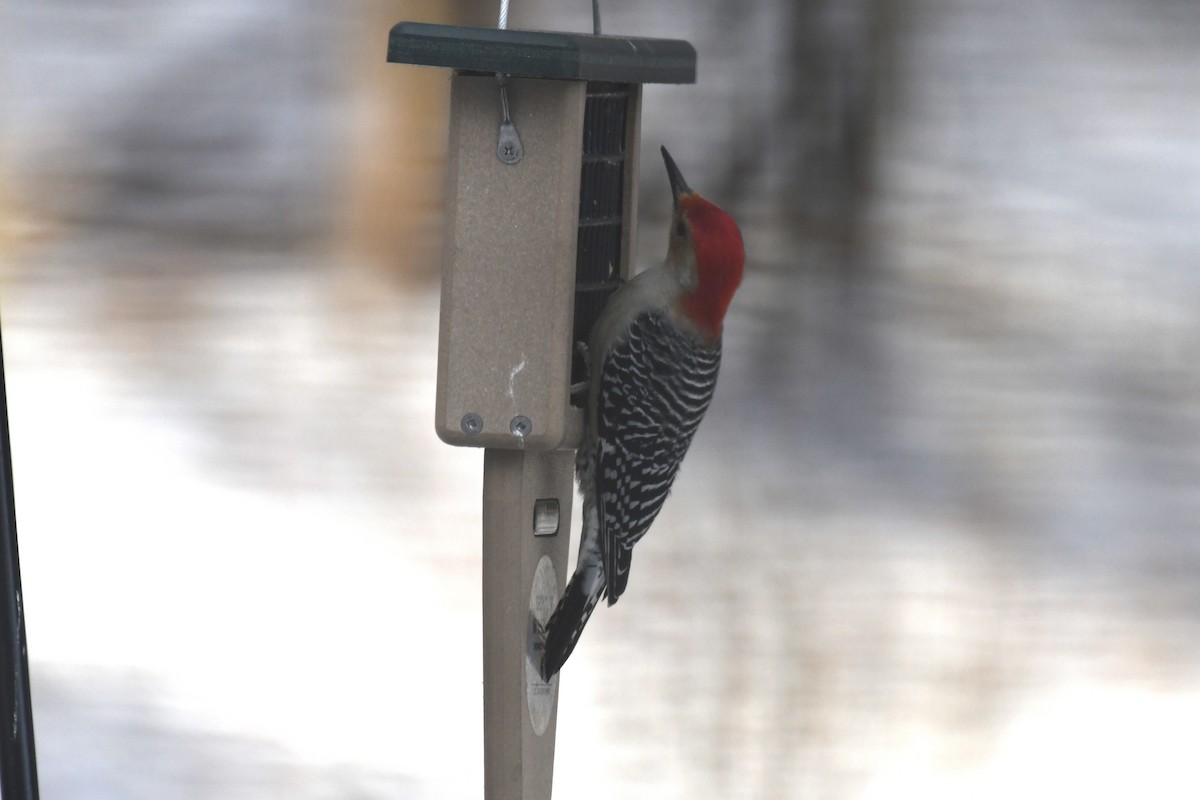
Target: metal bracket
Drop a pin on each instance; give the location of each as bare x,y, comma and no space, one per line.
508,148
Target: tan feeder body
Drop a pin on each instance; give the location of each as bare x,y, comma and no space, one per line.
541,201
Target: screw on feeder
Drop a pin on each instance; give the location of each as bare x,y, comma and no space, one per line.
472,424
520,427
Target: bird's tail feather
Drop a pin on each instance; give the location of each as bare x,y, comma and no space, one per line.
566,623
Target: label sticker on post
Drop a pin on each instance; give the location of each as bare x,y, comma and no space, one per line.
539,695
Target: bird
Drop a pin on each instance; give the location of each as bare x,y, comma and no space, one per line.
654,354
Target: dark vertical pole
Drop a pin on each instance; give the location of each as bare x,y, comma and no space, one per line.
18,764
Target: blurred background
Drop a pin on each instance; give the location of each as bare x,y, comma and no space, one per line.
937,538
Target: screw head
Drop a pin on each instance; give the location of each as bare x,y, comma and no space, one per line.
508,146
520,427
471,424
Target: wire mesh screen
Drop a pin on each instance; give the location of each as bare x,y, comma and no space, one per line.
601,207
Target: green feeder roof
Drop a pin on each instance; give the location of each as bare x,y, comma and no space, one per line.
543,54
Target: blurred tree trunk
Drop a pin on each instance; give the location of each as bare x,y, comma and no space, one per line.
815,151
829,107
801,168
392,212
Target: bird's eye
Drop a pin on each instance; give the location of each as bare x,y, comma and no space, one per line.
680,229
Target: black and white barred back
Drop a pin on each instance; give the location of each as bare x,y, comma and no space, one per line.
655,387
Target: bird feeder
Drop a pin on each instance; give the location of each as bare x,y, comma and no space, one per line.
541,201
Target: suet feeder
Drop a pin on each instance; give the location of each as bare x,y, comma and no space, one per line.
541,201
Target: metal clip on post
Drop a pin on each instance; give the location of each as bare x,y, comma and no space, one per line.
508,148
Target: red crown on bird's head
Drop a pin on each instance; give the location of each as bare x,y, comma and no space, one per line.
720,258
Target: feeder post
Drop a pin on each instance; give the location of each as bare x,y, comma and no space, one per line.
504,363
526,530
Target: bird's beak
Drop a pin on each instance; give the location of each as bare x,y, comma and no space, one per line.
678,184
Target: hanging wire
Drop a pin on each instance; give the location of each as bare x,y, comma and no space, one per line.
503,23
508,146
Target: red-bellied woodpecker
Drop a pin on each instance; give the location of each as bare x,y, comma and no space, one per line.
655,351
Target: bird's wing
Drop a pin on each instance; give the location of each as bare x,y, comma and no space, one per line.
655,386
